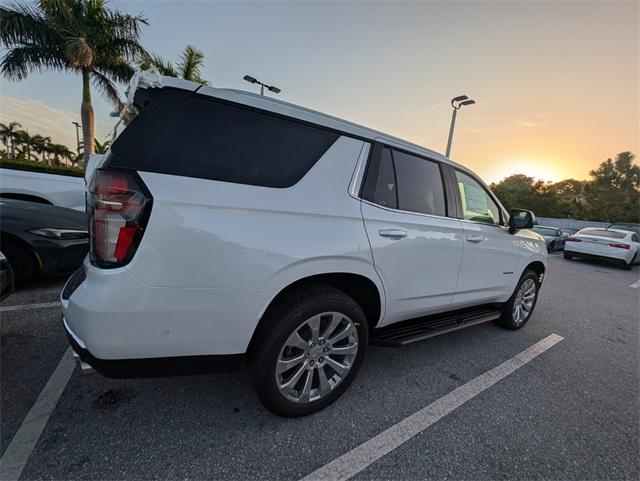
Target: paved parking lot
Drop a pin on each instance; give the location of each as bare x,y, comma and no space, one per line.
571,412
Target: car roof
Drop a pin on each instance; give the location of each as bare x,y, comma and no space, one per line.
146,79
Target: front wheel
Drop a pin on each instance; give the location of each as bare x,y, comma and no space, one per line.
519,308
308,351
566,255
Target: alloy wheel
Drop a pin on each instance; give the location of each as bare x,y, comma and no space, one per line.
316,357
523,303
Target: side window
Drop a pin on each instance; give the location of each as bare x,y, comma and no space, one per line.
420,187
477,205
212,140
380,187
634,237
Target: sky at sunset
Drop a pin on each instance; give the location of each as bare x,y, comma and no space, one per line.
556,84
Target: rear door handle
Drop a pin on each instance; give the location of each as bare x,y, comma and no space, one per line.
393,233
474,238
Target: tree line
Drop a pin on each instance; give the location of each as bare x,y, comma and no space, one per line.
612,194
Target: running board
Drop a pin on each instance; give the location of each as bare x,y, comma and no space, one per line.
415,330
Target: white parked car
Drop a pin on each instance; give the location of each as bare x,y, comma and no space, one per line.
610,244
43,187
226,225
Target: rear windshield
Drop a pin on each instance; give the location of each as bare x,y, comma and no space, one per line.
603,233
632,227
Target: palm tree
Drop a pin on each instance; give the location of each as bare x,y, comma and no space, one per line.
25,143
82,36
60,151
40,144
8,135
188,66
101,148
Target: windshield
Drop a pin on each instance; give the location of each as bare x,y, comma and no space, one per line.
544,231
603,233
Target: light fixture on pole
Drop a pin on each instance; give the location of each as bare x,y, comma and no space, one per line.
270,88
456,103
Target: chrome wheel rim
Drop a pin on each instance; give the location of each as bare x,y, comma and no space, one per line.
316,357
523,303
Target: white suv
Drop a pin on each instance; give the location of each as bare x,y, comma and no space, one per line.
227,225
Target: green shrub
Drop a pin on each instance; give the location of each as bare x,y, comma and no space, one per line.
19,164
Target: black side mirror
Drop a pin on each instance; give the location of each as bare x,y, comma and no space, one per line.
521,219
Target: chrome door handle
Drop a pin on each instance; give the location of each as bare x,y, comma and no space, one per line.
393,233
474,238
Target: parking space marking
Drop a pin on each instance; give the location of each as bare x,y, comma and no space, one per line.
17,453
635,285
354,461
25,307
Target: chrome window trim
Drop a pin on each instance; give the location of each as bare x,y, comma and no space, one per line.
358,174
422,214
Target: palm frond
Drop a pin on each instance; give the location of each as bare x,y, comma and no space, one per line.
18,62
22,23
107,88
190,63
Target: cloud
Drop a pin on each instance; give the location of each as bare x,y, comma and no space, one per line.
39,118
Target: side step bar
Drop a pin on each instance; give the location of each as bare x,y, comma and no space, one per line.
415,330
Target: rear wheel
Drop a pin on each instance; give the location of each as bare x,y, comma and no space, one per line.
566,255
517,311
23,262
627,267
308,351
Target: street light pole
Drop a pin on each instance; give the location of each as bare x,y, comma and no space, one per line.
270,88
77,137
456,103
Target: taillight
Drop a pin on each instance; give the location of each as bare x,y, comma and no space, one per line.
119,206
573,239
620,245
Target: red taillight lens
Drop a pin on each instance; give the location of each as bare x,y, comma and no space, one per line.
620,245
573,239
119,207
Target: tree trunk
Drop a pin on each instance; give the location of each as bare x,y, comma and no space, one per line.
86,114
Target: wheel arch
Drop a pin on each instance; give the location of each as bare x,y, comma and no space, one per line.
358,286
38,198
536,266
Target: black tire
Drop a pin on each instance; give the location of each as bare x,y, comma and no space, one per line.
567,256
22,260
279,323
507,319
629,266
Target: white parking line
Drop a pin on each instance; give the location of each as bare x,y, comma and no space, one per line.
635,285
360,457
25,307
17,453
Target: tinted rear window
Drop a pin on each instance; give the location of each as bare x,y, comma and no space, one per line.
217,141
420,187
603,233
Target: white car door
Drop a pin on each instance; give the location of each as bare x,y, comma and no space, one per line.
416,248
490,253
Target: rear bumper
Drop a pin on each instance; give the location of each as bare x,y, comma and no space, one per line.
150,367
119,317
610,258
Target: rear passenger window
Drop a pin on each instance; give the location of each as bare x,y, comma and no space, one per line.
406,182
382,187
211,140
420,187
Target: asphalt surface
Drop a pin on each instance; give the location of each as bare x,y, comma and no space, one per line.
571,413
